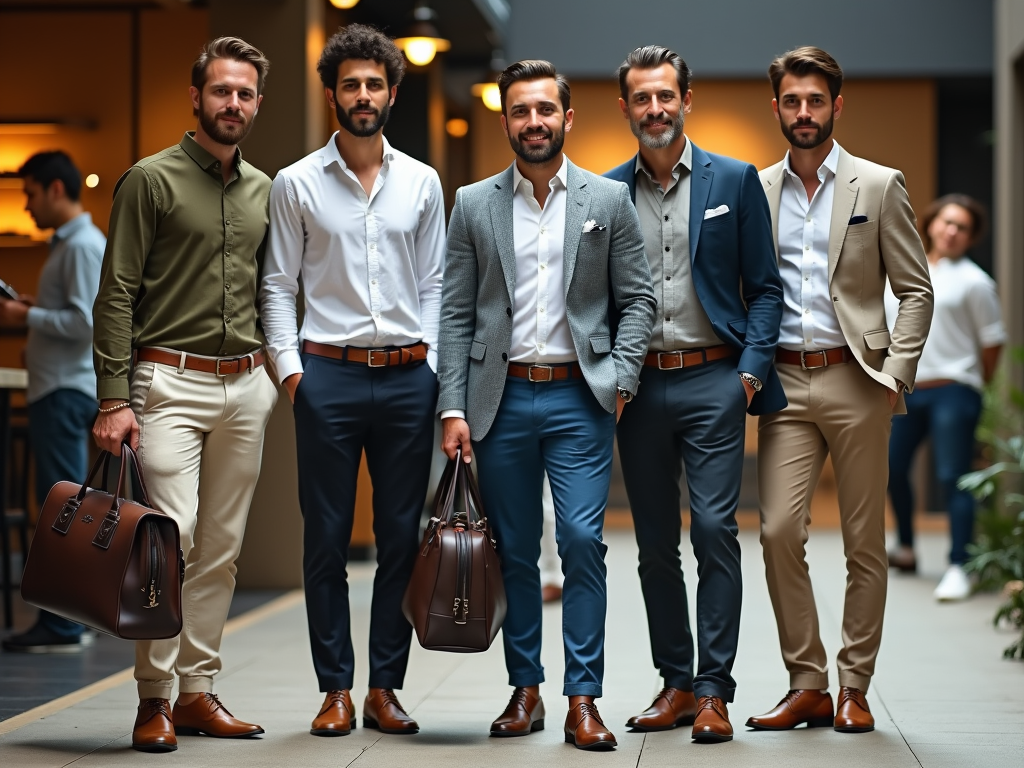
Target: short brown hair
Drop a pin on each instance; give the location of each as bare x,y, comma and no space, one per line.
230,48
652,57
532,69
804,61
360,41
977,211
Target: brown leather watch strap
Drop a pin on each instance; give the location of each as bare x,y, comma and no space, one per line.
221,366
687,358
374,358
809,361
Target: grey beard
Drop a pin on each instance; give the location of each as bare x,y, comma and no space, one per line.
662,141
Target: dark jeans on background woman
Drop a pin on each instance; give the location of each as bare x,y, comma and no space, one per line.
949,414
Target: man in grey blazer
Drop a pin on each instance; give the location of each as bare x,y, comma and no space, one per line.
528,371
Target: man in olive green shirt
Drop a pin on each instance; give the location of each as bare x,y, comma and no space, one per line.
180,372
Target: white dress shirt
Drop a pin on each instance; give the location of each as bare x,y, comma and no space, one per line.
370,266
540,328
967,319
809,320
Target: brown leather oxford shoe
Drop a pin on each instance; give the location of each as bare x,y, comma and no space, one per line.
711,725
797,707
336,716
154,730
853,714
672,707
207,715
585,729
523,715
382,711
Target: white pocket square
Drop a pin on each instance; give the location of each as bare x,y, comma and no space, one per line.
710,213
592,226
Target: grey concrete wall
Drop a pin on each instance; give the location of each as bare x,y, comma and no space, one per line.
738,38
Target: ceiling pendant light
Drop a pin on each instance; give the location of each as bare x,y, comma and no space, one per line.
421,40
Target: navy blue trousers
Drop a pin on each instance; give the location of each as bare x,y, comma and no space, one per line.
693,417
342,409
950,415
59,425
558,427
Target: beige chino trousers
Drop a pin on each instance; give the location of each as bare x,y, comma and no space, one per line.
838,410
201,445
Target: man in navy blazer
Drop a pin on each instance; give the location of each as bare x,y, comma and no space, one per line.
708,239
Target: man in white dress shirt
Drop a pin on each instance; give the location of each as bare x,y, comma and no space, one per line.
363,225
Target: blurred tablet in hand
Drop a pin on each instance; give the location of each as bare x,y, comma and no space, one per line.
6,292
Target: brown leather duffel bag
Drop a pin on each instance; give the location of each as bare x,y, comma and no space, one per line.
456,598
111,564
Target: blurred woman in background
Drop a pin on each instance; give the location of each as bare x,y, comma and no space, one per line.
960,357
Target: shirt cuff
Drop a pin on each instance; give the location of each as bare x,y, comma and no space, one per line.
992,336
432,359
287,364
453,413
112,389
35,316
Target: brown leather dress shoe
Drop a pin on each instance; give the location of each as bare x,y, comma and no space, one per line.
523,715
207,715
154,731
712,722
337,715
798,706
672,707
382,711
585,729
853,714
550,593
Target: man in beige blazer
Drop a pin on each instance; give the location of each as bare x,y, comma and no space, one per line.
842,226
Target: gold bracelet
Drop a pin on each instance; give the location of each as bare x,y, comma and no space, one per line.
113,408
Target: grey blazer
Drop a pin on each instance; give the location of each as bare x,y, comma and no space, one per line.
479,283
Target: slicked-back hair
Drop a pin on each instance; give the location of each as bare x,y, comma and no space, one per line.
532,69
48,167
360,41
652,57
977,211
230,48
804,61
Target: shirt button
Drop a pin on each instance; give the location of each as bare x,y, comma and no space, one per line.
227,320
373,246
373,282
668,247
542,266
668,277
806,279
807,247
543,230
504,357
540,346
666,218
508,311
668,319
807,311
541,310
808,219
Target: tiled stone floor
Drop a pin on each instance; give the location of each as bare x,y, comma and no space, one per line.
942,696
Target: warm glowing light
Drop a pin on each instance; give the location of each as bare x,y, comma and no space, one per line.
344,4
489,94
92,181
457,127
421,50
27,129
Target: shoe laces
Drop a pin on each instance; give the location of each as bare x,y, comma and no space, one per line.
666,693
153,707
518,697
589,710
853,694
709,702
215,704
387,696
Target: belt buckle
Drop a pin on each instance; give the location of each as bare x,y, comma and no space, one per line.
225,360
529,373
369,358
803,360
662,355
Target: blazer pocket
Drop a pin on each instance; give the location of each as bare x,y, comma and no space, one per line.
862,228
739,327
716,220
478,350
877,339
602,345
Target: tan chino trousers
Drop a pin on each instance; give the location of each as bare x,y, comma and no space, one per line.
201,445
838,410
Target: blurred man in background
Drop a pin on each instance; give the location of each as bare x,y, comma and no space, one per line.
58,354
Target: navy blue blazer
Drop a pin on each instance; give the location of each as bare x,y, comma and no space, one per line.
733,262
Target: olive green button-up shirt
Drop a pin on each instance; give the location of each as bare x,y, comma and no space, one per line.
182,260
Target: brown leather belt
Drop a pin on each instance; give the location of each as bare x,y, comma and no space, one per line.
538,372
810,361
687,358
374,358
221,366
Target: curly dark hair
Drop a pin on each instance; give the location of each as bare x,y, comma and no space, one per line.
360,41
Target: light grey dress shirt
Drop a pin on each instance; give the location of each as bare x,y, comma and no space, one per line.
681,322
58,352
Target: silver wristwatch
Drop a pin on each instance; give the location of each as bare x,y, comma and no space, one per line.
625,395
752,380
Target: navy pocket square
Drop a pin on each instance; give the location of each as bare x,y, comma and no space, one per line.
858,220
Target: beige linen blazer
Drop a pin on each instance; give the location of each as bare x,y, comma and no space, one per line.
860,258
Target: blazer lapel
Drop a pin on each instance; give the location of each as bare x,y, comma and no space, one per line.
843,200
701,177
504,228
774,195
577,207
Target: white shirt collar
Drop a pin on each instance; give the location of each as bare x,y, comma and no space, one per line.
561,176
831,163
685,160
332,155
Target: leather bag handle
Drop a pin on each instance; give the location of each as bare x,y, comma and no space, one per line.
129,464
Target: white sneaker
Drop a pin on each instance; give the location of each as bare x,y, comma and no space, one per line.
954,585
